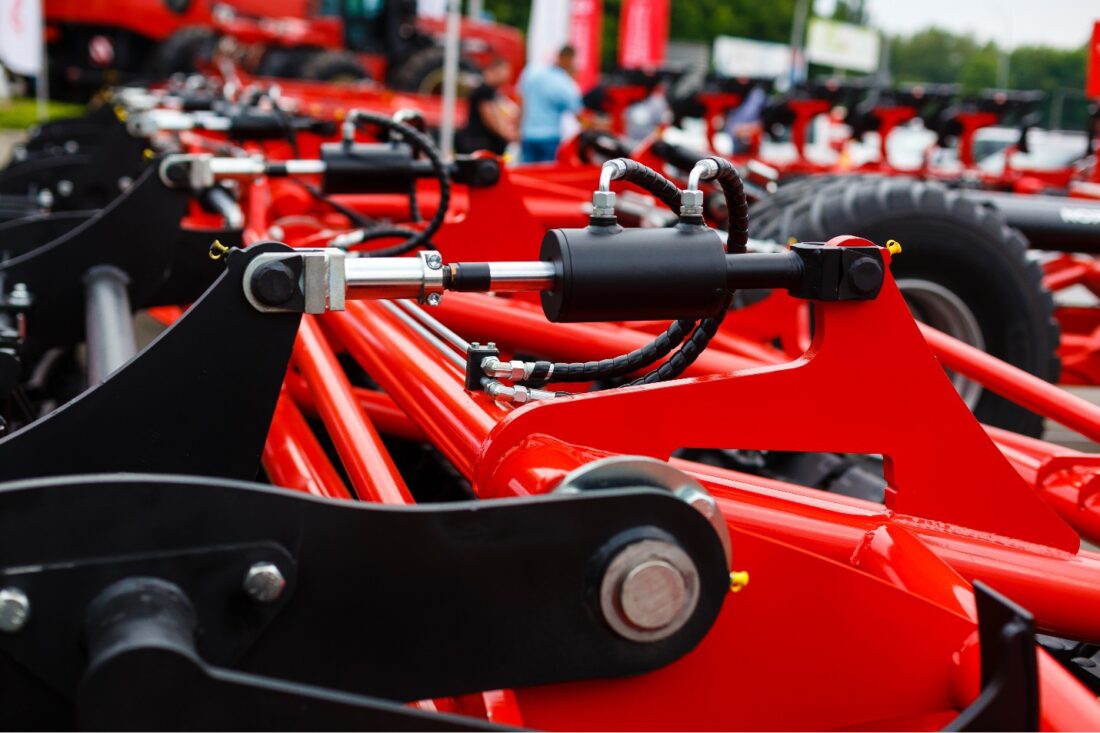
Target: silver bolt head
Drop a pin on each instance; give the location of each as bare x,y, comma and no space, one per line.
603,199
434,260
65,188
652,594
264,582
649,590
691,199
435,299
15,609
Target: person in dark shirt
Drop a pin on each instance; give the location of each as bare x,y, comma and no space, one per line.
492,118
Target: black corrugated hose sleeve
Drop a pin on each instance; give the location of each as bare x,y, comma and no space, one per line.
388,232
643,176
666,191
737,204
425,145
620,366
675,365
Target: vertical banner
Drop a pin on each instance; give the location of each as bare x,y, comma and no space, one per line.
21,36
585,35
548,30
643,34
1092,86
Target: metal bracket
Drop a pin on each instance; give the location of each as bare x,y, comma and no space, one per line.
1009,699
197,401
351,620
320,287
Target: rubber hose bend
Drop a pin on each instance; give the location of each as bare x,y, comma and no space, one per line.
737,204
427,146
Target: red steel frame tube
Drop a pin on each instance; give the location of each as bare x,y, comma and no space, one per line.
411,371
293,458
1015,384
1058,586
369,466
383,412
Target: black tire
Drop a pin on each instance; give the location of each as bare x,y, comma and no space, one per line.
284,62
949,242
422,72
182,49
334,66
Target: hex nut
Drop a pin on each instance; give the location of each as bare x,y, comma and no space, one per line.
603,199
15,609
264,582
649,590
691,199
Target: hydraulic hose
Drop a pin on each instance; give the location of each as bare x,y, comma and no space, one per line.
733,189
737,205
590,371
424,143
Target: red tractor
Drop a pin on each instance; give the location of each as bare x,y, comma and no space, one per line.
93,42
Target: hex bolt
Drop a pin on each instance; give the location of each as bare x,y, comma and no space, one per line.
649,590
15,609
434,299
434,260
652,594
273,283
264,582
865,275
19,297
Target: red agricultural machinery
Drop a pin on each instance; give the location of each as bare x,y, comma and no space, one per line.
387,471
101,42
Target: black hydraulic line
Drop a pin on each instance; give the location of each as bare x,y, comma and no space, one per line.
393,232
356,218
738,207
666,191
424,144
737,204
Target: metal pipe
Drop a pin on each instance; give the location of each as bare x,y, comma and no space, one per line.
109,322
435,325
375,278
368,464
221,201
444,350
514,277
451,42
304,167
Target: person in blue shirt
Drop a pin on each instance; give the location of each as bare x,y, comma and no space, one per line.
548,92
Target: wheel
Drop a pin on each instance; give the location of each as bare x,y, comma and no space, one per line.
183,48
962,270
283,62
338,66
422,72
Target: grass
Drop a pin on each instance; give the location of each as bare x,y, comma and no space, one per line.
19,114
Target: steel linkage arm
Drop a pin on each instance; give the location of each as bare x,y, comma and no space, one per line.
302,606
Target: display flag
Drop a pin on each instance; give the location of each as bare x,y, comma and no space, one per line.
585,35
643,34
547,31
1092,88
21,36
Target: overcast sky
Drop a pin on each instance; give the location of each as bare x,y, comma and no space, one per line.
1062,23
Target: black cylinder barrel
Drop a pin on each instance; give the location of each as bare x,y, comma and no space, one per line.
612,274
